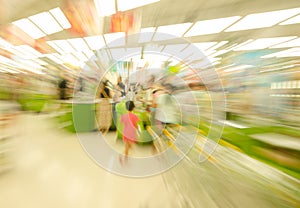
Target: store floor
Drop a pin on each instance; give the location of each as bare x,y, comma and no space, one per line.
51,169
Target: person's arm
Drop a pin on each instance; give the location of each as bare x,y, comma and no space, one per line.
154,104
137,127
136,121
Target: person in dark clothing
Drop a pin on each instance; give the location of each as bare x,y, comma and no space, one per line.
62,89
121,86
105,92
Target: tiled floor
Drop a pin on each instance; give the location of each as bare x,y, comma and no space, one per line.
51,169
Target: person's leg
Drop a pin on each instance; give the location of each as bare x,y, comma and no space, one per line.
127,147
126,151
114,114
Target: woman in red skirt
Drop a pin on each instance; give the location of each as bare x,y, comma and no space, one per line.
130,121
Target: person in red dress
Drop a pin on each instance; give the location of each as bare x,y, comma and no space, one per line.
130,121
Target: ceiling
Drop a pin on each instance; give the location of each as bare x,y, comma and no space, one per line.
168,12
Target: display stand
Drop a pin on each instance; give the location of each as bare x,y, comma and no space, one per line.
78,116
104,114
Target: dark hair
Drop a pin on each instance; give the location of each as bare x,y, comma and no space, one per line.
130,105
155,91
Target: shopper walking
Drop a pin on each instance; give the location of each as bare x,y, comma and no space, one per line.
130,121
167,109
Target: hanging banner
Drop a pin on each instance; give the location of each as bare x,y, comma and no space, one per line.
83,17
128,22
15,35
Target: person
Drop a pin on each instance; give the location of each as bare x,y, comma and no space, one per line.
80,84
104,91
117,95
130,121
131,92
62,88
153,105
121,86
167,108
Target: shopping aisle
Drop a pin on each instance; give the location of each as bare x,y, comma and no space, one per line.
51,169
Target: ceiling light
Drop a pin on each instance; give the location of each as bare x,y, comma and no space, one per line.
27,52
124,5
168,31
28,27
293,20
28,63
148,29
115,39
292,54
60,17
209,52
211,26
70,59
213,59
95,42
236,68
62,46
17,52
39,61
218,45
55,47
89,53
263,43
80,56
292,43
78,44
284,52
105,7
261,20
204,45
54,57
146,34
4,44
220,52
46,23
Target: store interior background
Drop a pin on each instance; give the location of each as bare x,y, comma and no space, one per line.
252,46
